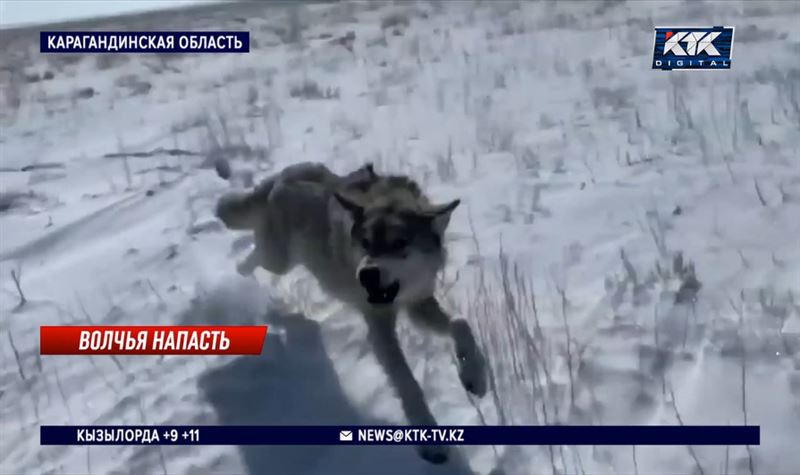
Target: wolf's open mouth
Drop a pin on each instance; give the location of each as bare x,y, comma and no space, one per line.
383,296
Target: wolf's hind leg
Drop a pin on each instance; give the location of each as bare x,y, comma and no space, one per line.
272,249
471,362
274,234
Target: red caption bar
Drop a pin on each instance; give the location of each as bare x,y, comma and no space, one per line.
151,340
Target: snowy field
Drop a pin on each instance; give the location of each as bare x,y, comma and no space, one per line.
628,246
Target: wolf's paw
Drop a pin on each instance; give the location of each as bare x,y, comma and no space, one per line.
472,372
435,454
248,266
471,362
245,269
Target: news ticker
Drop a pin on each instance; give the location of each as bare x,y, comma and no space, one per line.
151,340
400,435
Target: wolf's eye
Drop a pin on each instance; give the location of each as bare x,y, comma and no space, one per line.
365,243
401,244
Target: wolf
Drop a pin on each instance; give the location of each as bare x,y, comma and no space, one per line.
374,242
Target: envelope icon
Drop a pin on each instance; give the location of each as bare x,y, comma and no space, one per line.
345,435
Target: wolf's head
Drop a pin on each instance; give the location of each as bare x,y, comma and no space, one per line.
396,236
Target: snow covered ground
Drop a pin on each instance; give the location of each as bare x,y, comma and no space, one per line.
628,246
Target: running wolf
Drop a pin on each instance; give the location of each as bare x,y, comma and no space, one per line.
372,241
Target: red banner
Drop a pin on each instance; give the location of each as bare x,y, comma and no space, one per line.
151,340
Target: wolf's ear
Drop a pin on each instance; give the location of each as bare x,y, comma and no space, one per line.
440,215
370,169
348,204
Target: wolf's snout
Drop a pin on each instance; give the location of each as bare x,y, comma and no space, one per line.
370,277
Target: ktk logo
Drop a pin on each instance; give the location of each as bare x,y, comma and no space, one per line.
693,48
696,43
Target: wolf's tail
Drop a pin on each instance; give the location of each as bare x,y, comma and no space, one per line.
239,210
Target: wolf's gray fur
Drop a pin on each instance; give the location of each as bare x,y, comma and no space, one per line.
374,242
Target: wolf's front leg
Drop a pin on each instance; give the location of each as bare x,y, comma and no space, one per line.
471,361
387,349
249,264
